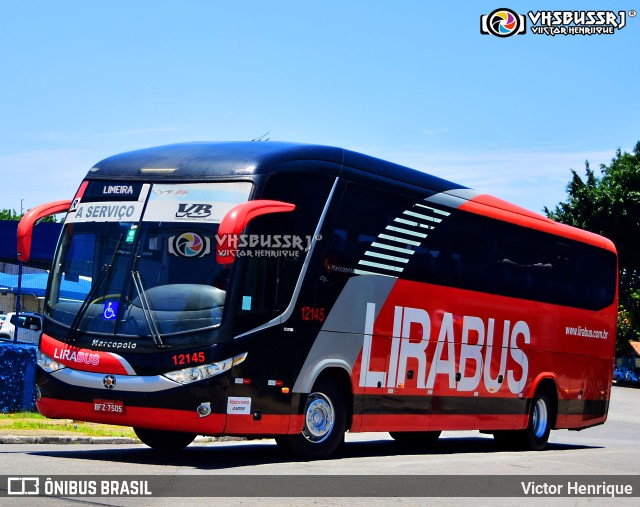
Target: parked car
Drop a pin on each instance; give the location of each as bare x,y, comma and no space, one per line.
622,375
630,377
618,373
29,324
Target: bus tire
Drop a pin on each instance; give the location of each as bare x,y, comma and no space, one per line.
419,439
162,440
536,435
325,422
541,415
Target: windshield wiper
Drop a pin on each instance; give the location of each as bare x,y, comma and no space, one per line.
146,309
104,272
75,325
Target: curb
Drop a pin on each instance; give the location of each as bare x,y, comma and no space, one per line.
72,439
46,439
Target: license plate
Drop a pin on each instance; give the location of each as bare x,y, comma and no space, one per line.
108,406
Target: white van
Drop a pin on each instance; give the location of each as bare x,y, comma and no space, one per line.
29,324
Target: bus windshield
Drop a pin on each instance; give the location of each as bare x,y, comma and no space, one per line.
140,280
154,277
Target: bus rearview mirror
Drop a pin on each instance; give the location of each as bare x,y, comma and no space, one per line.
235,221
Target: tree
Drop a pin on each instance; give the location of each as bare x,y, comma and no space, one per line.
10,214
609,205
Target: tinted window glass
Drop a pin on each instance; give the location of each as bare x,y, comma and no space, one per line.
372,233
272,265
378,232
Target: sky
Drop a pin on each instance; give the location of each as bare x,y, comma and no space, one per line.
410,81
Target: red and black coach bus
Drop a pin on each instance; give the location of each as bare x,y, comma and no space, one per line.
303,291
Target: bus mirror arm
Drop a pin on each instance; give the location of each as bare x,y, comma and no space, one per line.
234,222
30,219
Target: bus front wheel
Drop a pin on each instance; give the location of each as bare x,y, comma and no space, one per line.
162,440
324,424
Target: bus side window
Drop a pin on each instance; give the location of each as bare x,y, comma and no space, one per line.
364,214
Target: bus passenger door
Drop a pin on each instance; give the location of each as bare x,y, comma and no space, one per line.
371,400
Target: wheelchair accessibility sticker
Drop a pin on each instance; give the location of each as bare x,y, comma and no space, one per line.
110,310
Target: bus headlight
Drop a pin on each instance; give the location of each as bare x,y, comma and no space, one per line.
47,364
204,371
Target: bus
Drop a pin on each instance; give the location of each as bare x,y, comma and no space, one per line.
268,289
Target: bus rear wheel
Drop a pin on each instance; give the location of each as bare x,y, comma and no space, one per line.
536,435
324,424
162,440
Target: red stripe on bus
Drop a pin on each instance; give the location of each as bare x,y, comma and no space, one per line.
141,417
445,422
84,359
268,424
489,206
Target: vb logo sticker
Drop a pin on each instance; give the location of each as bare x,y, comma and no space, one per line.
187,210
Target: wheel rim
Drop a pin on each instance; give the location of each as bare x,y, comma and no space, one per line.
540,418
319,418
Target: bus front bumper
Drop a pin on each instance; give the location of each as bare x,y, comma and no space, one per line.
152,402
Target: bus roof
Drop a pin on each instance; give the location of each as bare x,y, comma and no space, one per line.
201,161
209,160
